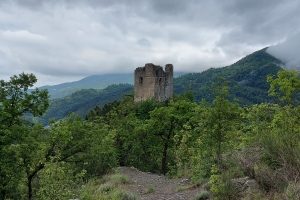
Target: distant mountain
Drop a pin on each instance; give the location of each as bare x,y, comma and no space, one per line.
82,101
247,77
91,82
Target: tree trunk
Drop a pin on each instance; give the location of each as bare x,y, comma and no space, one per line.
164,158
166,142
3,194
29,185
30,177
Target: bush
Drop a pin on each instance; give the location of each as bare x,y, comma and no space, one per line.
248,158
202,195
269,179
222,187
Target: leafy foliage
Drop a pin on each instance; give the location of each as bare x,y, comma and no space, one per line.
15,100
47,163
285,85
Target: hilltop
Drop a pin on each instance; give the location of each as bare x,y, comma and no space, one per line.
247,78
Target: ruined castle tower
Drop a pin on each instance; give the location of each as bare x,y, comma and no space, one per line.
152,81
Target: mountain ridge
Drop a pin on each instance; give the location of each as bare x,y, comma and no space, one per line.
247,78
249,75
93,82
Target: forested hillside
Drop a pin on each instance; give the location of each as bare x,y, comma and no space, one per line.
247,78
82,101
90,82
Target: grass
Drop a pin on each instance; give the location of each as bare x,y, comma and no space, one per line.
150,189
109,187
106,187
123,195
183,188
202,195
116,179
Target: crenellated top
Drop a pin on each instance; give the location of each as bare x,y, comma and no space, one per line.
151,81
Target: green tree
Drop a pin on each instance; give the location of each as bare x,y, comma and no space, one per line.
59,181
136,146
285,85
15,101
210,133
164,122
225,118
102,154
67,148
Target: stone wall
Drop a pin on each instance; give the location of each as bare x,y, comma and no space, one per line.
151,81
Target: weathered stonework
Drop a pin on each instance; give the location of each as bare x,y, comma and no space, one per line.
151,81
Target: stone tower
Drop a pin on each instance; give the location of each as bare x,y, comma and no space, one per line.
151,81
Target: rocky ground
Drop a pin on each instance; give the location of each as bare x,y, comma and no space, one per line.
150,186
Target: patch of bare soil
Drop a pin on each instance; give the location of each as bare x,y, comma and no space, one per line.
152,186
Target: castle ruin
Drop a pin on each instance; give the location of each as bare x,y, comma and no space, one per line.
151,81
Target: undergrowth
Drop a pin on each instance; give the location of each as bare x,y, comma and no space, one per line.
109,187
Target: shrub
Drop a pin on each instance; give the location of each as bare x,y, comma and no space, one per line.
202,195
222,187
269,179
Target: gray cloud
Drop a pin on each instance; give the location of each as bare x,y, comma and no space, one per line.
144,42
260,22
288,51
60,40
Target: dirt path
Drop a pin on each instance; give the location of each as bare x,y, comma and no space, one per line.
152,186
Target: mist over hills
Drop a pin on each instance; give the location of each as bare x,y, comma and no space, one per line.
288,52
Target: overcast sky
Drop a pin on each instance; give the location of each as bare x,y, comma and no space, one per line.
65,40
